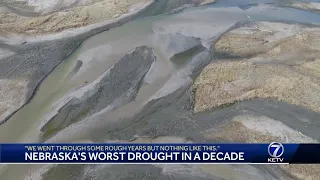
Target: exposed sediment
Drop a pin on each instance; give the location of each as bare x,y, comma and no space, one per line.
112,89
213,23
175,44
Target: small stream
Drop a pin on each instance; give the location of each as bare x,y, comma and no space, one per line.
101,51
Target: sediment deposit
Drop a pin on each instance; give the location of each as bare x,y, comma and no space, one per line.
115,87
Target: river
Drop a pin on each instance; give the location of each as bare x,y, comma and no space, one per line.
101,51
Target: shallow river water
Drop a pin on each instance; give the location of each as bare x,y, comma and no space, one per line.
99,52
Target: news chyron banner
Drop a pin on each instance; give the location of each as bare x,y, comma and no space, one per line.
274,153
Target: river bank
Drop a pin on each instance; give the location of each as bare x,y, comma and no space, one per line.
67,14
315,6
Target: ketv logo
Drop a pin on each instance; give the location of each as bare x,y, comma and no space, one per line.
275,150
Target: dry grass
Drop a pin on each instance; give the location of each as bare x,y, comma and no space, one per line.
6,17
70,18
300,47
313,66
295,50
303,171
285,68
243,45
237,132
226,82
